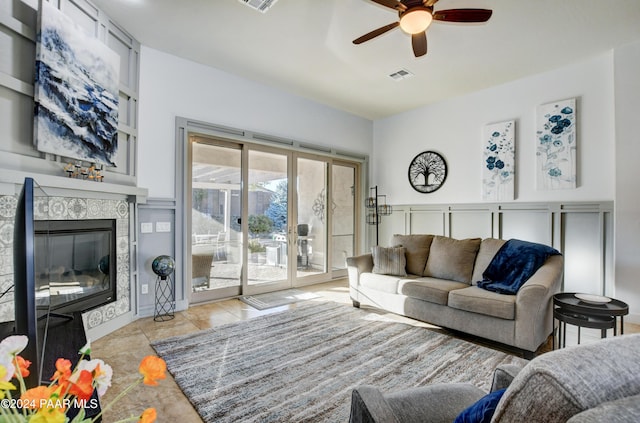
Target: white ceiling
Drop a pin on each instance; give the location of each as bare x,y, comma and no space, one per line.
304,46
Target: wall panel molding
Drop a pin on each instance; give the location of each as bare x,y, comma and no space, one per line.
19,24
582,231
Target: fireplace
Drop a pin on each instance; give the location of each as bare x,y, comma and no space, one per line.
75,264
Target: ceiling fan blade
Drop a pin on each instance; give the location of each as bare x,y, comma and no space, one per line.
375,33
462,15
393,4
419,43
429,3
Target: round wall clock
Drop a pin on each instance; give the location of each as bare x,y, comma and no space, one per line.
427,172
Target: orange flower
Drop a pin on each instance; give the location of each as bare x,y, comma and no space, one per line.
35,397
62,374
22,366
148,416
63,370
82,385
153,369
102,373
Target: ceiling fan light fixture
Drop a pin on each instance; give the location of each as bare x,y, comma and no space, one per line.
416,20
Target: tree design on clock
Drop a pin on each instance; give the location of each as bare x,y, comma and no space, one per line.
427,172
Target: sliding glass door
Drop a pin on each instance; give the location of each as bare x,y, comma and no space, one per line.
216,230
268,212
264,219
343,213
311,219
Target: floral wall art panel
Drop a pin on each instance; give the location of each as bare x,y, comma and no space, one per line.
556,145
498,166
76,91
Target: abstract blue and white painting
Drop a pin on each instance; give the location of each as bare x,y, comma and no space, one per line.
556,145
76,91
498,165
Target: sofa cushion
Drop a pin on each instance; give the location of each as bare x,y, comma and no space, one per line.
452,259
482,301
555,386
488,248
429,289
417,250
389,261
384,283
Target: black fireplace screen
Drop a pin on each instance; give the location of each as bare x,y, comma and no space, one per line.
75,264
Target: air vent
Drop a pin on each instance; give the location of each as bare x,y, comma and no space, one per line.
400,75
259,5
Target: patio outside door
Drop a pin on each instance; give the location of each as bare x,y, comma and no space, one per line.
265,219
216,230
312,216
343,216
267,215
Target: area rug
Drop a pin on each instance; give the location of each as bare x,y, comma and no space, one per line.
301,365
277,299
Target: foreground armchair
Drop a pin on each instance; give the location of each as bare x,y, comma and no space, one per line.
587,383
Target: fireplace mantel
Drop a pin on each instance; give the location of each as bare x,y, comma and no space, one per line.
76,199
64,186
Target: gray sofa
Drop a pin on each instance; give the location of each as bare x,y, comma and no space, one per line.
440,288
589,383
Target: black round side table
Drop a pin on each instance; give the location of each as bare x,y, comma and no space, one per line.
567,308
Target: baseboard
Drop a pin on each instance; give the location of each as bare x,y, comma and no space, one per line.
632,318
149,310
110,326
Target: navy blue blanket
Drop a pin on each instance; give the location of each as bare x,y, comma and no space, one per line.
514,263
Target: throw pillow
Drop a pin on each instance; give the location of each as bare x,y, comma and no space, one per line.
417,250
389,261
452,259
488,249
481,411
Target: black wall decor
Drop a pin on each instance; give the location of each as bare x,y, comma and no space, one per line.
376,208
427,172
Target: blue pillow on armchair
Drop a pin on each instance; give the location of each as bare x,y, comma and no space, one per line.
481,411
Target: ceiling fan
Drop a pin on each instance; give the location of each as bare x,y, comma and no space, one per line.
417,15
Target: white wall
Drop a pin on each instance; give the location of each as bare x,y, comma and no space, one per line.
171,86
454,128
608,143
627,204
608,91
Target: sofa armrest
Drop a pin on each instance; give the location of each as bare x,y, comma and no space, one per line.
437,403
618,411
361,264
503,375
534,308
355,267
369,406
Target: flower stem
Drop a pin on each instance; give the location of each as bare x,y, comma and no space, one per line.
129,419
11,416
117,398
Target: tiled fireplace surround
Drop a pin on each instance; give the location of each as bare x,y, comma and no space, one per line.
97,320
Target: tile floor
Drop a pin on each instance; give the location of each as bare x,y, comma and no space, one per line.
124,348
